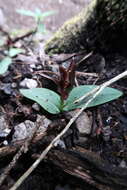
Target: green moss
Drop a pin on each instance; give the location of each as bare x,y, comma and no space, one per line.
70,31
101,25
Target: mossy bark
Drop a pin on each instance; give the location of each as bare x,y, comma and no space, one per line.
101,25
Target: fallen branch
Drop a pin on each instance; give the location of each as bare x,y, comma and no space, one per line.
94,93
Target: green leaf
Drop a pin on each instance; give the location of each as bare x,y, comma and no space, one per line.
47,13
41,28
108,94
26,12
48,99
39,15
15,51
4,64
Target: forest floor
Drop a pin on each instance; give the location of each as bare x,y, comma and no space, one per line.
100,130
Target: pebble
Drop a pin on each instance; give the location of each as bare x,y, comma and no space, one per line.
60,143
24,129
123,164
36,107
14,85
29,83
83,122
5,132
3,123
5,143
39,67
33,66
20,132
6,87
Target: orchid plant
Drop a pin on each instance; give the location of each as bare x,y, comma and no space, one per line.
68,95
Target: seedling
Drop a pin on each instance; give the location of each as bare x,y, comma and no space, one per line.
38,16
67,100
4,64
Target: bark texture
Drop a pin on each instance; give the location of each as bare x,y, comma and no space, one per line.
102,25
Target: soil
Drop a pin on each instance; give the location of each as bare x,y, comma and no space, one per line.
107,135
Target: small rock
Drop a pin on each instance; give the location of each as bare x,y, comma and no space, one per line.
44,123
3,123
60,143
20,132
6,88
18,44
24,129
39,67
83,122
36,107
5,143
29,126
5,132
14,85
29,83
123,164
33,66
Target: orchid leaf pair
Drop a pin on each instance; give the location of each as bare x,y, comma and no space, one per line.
52,102
66,99
39,17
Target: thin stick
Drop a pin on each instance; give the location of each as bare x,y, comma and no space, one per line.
44,153
84,74
76,55
122,75
78,73
85,57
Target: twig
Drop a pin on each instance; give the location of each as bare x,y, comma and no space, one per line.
76,55
44,153
78,73
29,33
84,74
11,41
101,87
85,57
46,71
24,148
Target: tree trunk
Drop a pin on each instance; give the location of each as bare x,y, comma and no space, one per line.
101,26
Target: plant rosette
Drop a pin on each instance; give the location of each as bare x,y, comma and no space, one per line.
52,102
